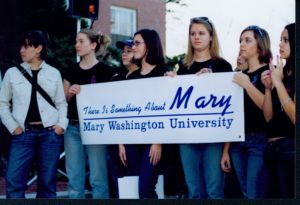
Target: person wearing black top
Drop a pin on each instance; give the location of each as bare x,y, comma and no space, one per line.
36,122
247,157
241,64
116,168
201,162
143,160
89,70
128,60
279,111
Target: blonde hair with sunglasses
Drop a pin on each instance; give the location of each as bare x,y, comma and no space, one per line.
214,47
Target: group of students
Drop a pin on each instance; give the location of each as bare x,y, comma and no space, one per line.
41,126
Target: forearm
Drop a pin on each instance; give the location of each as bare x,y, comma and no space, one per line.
61,106
226,147
267,106
287,104
256,96
5,106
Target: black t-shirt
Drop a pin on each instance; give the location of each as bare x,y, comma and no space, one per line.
99,73
157,71
254,117
122,75
216,65
122,72
33,114
280,124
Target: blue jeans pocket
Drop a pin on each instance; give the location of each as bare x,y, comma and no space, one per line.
20,138
55,138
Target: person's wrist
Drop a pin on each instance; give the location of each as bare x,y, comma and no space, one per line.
17,131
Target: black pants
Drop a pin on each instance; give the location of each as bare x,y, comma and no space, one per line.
280,161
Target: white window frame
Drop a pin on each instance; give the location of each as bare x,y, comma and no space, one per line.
119,21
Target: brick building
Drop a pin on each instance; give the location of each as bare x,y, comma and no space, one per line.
122,18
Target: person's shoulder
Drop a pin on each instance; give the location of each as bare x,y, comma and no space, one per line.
11,71
104,66
52,69
221,60
159,70
222,63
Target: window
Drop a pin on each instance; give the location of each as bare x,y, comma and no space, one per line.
123,23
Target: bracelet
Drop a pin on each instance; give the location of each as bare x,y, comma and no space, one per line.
285,102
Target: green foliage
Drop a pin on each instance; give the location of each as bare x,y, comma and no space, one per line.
179,2
61,53
173,62
19,16
174,1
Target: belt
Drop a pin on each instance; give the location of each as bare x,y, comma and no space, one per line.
36,127
74,122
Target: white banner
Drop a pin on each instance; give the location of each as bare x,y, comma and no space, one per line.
183,109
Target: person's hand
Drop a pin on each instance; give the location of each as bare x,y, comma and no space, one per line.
17,131
155,153
204,70
225,162
241,79
122,154
277,72
73,90
170,73
58,130
266,79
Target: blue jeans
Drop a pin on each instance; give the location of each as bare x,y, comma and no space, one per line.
45,146
280,161
138,164
202,170
247,159
75,165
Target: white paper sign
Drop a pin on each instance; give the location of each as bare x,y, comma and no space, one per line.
129,187
183,109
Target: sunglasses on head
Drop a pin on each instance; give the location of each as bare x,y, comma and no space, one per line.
256,28
199,19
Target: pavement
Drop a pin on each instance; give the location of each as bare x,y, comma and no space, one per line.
61,187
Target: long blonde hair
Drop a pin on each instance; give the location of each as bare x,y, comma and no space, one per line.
214,48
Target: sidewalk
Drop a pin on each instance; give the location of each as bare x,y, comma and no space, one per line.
61,187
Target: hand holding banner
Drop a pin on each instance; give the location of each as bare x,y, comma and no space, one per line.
183,109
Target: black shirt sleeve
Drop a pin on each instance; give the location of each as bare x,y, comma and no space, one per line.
221,65
69,73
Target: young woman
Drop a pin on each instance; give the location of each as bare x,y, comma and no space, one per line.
201,162
88,70
241,64
279,110
144,160
128,60
116,167
37,125
247,157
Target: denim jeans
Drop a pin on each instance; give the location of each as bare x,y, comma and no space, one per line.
202,170
75,165
138,164
44,146
280,161
247,159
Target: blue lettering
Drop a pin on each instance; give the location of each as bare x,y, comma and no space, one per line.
178,100
222,102
225,103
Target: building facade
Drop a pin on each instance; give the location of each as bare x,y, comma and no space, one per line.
122,18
